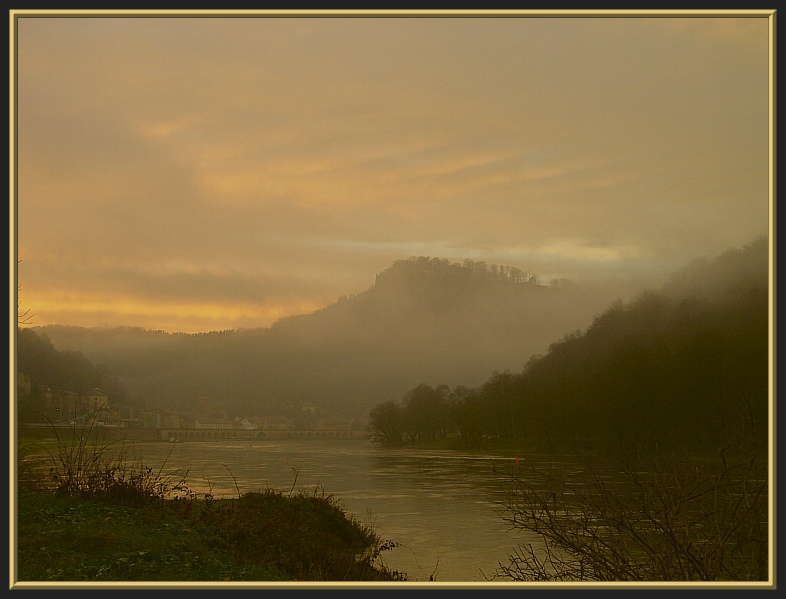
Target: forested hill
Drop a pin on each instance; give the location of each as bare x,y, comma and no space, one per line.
686,363
422,319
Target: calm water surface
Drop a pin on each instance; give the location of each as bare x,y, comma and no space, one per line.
443,508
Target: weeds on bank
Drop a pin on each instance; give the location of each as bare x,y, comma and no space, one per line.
84,463
107,519
307,535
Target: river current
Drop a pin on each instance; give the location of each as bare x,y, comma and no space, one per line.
442,508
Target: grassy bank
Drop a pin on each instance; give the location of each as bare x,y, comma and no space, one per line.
85,512
257,537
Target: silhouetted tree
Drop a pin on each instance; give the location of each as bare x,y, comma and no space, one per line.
24,317
467,414
426,410
386,422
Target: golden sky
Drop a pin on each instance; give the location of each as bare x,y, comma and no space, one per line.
196,173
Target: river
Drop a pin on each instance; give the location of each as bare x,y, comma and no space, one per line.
443,508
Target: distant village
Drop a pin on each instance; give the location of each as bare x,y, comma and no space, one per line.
66,408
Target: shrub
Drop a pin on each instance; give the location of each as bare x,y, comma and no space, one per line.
298,536
700,516
84,463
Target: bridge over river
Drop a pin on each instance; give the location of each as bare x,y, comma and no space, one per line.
32,431
209,434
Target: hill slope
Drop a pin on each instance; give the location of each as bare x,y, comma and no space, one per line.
688,363
423,320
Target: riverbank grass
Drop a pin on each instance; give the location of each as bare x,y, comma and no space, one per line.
258,537
97,516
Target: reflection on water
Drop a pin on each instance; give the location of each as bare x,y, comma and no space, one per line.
443,508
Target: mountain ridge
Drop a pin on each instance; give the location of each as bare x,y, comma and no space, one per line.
424,320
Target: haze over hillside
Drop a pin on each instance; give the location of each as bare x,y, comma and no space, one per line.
423,320
686,364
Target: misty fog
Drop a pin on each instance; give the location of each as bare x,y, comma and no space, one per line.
422,320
